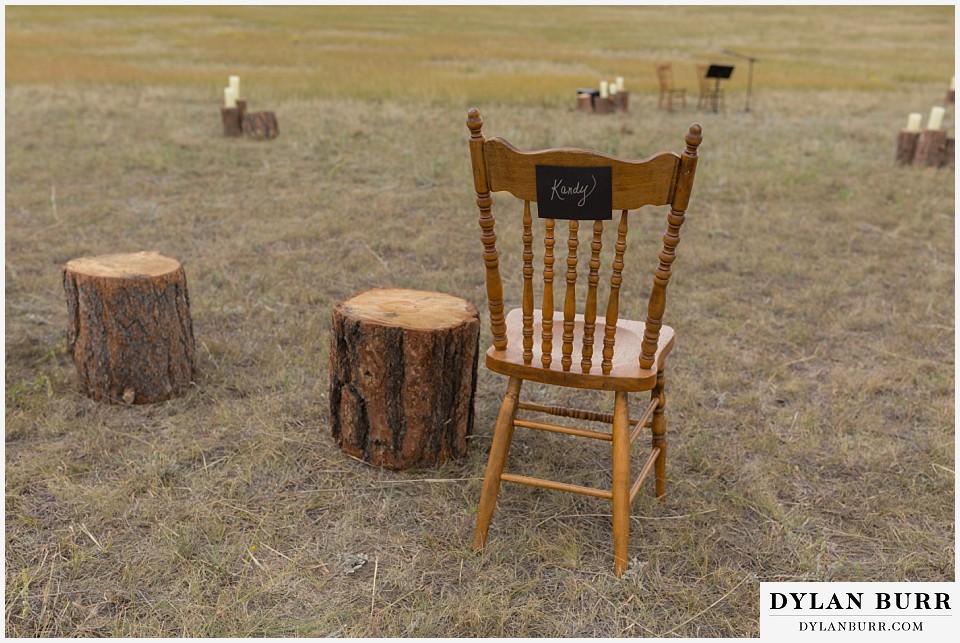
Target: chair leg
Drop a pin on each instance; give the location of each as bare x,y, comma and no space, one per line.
621,483
659,430
502,436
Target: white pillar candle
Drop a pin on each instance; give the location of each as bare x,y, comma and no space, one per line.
936,117
619,83
613,88
229,98
913,122
603,89
953,82
235,85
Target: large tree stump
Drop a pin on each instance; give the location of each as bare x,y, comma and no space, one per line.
403,372
129,328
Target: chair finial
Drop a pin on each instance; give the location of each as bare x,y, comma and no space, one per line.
474,122
693,138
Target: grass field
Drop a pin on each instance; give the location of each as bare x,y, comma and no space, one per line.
811,394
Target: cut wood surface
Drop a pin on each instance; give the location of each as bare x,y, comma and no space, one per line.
403,369
129,329
415,309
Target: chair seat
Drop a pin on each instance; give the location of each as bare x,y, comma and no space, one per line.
626,374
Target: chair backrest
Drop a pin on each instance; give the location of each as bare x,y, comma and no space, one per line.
665,76
702,77
665,178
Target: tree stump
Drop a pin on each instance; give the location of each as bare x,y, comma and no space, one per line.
260,125
622,100
403,372
585,103
906,147
930,148
604,106
129,330
232,120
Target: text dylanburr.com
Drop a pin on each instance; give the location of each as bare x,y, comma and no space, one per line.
858,611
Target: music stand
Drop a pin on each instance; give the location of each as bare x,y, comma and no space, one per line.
749,76
719,72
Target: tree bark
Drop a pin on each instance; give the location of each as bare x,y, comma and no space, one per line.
403,372
129,329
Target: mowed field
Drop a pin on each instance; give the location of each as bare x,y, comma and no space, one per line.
810,397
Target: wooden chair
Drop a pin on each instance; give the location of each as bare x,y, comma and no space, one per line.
708,90
633,353
667,89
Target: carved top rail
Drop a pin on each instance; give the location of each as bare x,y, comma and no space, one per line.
650,181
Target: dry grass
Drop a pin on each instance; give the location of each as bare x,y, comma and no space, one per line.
810,397
474,54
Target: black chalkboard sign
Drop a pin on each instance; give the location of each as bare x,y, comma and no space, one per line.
584,193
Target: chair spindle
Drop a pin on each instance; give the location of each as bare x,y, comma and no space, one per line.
491,258
661,276
590,311
570,301
527,285
547,311
613,304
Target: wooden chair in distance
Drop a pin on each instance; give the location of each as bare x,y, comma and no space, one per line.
667,89
633,354
708,91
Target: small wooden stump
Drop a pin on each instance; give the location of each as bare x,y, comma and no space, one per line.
129,330
951,97
604,106
403,372
907,147
260,125
584,103
930,148
621,100
233,118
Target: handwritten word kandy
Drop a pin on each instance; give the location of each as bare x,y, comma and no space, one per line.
559,190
